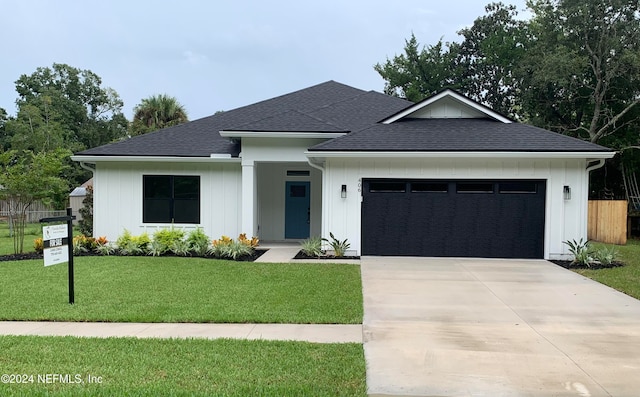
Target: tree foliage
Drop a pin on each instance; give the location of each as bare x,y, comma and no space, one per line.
573,67
63,106
27,177
156,112
85,225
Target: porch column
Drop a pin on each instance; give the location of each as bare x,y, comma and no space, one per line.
248,198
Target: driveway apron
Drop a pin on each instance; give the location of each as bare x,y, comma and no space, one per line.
495,327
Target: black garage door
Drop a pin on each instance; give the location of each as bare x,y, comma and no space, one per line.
459,218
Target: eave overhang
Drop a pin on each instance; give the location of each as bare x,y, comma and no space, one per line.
451,154
214,158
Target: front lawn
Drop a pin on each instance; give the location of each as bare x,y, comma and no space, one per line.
171,289
168,367
626,278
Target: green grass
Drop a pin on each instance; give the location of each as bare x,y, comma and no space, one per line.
626,278
171,367
169,289
32,232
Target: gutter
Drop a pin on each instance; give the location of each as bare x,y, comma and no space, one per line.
214,158
469,154
598,164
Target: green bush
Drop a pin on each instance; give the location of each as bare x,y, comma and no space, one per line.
180,248
312,246
167,237
581,251
198,242
339,247
129,244
227,248
605,255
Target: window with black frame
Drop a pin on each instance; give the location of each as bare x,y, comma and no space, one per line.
171,199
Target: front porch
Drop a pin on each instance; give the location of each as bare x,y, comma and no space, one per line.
287,198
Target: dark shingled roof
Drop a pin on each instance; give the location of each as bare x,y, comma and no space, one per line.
333,107
457,135
326,107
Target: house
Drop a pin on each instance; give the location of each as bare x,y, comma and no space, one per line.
443,177
76,199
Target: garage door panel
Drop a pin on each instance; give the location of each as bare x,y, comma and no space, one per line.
470,219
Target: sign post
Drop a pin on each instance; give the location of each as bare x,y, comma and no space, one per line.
56,238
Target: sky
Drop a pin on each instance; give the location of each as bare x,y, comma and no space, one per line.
217,55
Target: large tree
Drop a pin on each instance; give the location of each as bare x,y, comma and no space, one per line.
574,67
63,106
583,70
156,112
90,113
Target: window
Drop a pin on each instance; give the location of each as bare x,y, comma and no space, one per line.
518,187
387,187
429,187
474,187
169,199
297,173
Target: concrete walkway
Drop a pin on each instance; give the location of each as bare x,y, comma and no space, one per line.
318,333
482,327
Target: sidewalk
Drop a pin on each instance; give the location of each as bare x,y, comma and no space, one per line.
318,333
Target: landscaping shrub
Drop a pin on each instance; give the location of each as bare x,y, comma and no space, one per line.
167,237
227,248
198,242
339,247
605,255
312,246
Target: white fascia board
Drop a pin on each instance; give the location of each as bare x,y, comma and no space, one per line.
275,134
156,159
483,155
448,93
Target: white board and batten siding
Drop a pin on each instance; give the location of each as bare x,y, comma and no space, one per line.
564,219
118,197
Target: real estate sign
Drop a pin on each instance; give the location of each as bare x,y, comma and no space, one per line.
56,243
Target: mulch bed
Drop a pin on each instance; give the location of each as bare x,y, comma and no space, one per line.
32,255
593,266
302,255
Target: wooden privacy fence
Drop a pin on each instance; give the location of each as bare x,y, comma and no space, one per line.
607,221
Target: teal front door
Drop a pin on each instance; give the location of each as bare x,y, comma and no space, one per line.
297,214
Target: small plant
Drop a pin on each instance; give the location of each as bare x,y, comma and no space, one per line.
198,242
79,245
156,248
124,238
581,251
38,245
339,247
312,246
180,248
606,255
227,248
167,237
105,249
131,248
236,250
244,240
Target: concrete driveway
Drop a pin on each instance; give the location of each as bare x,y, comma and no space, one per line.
486,327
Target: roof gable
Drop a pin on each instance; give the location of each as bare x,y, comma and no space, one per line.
328,108
447,104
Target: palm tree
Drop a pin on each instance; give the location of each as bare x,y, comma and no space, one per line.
156,112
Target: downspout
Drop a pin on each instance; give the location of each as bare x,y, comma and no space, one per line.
321,169
598,164
316,166
87,167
